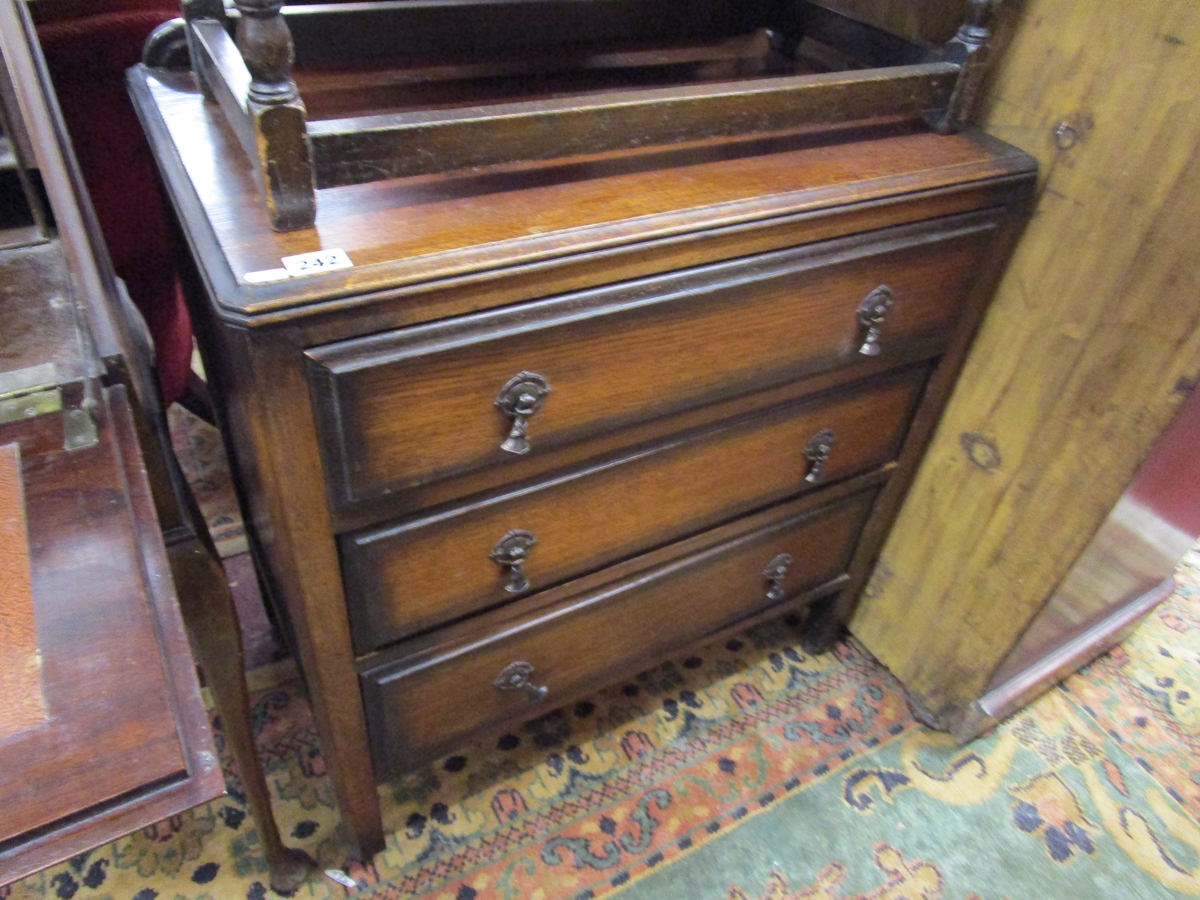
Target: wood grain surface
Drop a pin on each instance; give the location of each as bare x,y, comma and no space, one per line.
22,704
416,230
408,408
127,741
1156,522
1092,343
406,577
112,726
420,710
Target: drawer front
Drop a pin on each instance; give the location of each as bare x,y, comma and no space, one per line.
404,579
419,708
422,404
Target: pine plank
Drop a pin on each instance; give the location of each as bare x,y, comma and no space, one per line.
1091,345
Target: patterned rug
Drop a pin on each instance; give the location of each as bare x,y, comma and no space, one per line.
748,770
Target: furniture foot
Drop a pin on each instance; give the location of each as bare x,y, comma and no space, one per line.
822,629
289,870
209,613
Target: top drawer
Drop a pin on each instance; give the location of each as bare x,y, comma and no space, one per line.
414,406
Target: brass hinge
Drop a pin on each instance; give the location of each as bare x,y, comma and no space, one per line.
28,393
35,391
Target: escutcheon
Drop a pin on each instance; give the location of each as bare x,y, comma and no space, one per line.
872,313
515,677
774,574
511,552
817,451
519,399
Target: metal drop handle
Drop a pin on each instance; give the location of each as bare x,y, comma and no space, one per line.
511,552
515,677
817,451
521,396
774,573
872,313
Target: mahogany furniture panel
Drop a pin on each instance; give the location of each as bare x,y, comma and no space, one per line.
102,729
455,85
699,313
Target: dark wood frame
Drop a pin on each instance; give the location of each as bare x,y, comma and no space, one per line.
243,60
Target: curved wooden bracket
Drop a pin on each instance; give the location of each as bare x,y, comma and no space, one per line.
167,46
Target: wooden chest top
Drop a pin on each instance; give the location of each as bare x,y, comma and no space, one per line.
658,210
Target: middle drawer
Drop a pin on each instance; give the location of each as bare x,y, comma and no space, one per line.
407,577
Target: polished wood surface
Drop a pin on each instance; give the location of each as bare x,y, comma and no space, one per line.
208,610
116,671
399,145
1089,349
617,357
279,467
402,578
664,429
732,195
20,663
124,739
428,80
422,708
587,104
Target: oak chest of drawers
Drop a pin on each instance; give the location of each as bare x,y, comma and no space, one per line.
559,420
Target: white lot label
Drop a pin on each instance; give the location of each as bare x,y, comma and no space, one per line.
266,275
312,263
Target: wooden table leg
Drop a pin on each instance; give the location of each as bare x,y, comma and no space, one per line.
209,613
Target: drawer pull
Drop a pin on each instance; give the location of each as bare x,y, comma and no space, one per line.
511,551
774,573
871,314
817,451
515,677
519,399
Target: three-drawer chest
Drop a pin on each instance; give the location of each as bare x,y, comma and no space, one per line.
505,434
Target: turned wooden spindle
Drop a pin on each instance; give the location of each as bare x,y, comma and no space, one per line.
266,45
968,48
277,114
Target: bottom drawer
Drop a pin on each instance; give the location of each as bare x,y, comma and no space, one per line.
421,705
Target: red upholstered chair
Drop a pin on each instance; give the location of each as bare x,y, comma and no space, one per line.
87,56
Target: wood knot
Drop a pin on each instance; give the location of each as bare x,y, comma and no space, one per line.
982,452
